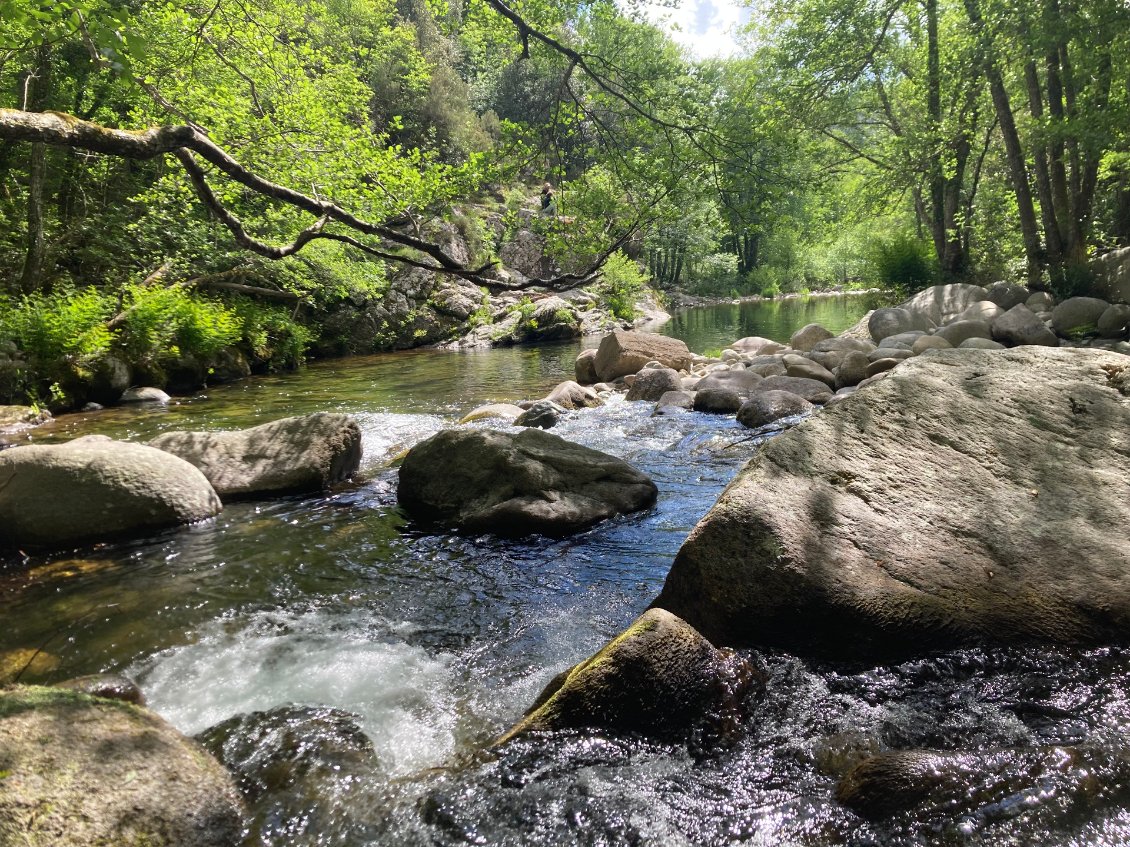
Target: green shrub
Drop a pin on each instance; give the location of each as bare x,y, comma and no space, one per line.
161,324
271,334
903,262
621,283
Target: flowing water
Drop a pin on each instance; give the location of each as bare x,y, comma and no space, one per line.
434,643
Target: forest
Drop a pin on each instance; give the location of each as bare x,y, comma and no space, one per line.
184,177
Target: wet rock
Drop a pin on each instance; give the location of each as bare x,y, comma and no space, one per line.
718,401
291,455
295,767
109,379
807,337
1019,326
887,783
145,395
585,367
742,382
517,483
58,495
765,407
570,395
675,399
228,365
659,678
504,411
653,383
81,771
542,414
819,547
1078,315
622,353
110,686
17,418
811,390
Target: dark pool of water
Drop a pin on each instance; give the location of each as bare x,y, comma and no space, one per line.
437,642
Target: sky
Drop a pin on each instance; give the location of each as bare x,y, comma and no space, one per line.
705,27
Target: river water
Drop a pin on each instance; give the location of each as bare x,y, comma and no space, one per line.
435,643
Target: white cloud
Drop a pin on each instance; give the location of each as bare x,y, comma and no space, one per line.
707,28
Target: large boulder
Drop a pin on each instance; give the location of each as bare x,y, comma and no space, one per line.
653,383
517,483
80,770
742,382
66,494
1006,295
571,395
1019,326
942,303
659,677
812,390
968,497
585,367
883,323
1115,321
808,336
960,330
1078,315
622,352
291,455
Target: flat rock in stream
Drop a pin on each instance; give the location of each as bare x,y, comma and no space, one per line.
517,483
968,497
77,771
291,455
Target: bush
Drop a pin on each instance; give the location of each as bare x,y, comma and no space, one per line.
162,324
272,336
621,283
903,262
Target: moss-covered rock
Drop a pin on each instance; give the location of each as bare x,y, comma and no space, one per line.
77,770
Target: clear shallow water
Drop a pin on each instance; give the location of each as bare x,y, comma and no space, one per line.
438,642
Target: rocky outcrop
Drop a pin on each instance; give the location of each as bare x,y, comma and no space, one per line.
935,508
658,677
59,495
81,771
623,352
517,483
291,455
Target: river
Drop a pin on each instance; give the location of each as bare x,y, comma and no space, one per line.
436,642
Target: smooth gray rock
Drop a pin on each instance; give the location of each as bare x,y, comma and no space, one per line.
884,323
765,407
718,401
653,383
742,382
1040,301
1078,315
808,336
1115,321
755,344
517,483
144,395
929,342
505,411
983,310
942,303
82,771
880,365
920,514
1018,327
852,370
897,353
843,344
812,390
676,399
287,456
980,344
622,353
810,370
1006,295
659,678
585,367
52,496
572,395
959,330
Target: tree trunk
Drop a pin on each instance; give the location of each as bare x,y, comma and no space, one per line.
1052,235
1013,150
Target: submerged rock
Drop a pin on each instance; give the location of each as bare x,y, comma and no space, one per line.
653,383
80,771
111,686
542,414
571,395
937,508
57,495
291,455
659,677
517,483
505,411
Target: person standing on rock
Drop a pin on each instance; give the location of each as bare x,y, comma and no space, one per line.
548,200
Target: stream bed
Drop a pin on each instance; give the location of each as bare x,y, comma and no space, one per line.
435,643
